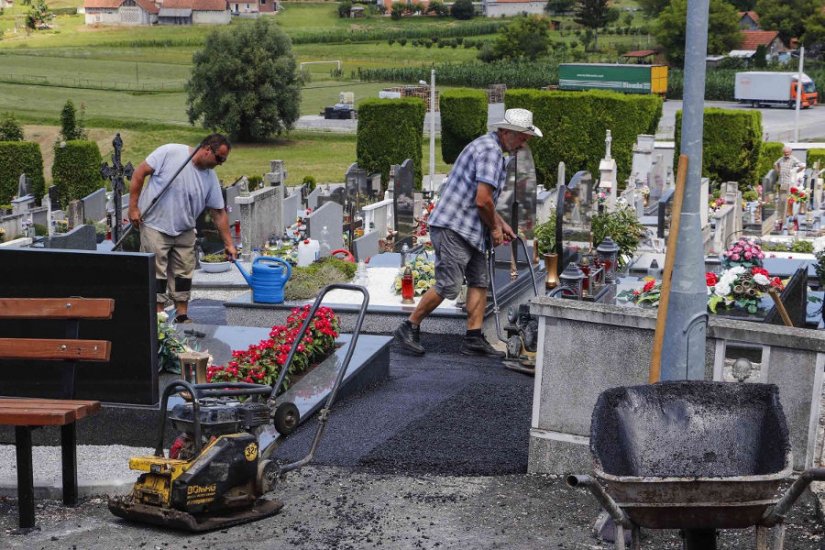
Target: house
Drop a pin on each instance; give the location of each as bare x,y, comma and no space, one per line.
194,12
753,39
120,12
497,8
252,8
749,20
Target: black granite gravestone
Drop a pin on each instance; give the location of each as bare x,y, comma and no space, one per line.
404,204
54,198
129,278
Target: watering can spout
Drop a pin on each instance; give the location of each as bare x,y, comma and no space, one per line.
243,272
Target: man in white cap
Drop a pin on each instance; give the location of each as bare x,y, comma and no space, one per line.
465,221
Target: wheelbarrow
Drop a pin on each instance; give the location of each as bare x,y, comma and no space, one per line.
696,456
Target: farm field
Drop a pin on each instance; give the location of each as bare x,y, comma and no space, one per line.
131,79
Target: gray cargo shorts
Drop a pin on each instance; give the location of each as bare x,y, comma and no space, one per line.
455,261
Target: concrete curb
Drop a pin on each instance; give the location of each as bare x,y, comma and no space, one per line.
101,470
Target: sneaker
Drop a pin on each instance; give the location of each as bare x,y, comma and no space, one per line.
183,318
409,338
478,345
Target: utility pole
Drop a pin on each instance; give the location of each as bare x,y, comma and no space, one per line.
798,95
683,356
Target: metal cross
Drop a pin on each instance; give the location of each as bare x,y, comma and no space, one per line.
115,174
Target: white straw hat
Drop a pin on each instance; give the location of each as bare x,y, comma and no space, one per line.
519,120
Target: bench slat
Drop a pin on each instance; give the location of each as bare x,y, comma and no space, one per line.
56,308
55,349
44,412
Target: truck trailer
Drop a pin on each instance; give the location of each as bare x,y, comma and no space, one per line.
770,88
631,79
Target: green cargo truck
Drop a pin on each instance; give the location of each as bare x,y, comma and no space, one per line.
630,79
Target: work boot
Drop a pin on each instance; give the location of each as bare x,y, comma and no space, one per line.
409,338
478,345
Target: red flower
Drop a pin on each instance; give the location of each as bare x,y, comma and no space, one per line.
711,279
794,190
760,271
649,286
776,282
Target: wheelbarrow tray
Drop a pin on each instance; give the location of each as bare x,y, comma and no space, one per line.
692,454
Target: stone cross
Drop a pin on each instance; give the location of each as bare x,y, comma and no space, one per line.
23,186
115,174
607,142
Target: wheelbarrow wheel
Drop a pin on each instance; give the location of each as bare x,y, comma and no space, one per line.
286,418
514,347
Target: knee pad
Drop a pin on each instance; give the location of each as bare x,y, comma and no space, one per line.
182,284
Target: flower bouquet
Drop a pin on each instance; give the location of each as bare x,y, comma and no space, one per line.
648,296
169,345
423,272
739,287
798,194
745,253
262,363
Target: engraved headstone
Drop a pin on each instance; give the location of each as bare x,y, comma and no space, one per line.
232,192
643,156
366,246
312,198
24,186
403,204
54,198
81,237
357,185
75,216
657,178
607,175
290,205
94,205
517,201
40,216
330,216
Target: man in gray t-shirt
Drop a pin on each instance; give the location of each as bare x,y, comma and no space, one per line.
168,229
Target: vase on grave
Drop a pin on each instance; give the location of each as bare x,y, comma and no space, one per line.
551,266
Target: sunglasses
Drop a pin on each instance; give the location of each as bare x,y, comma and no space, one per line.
220,159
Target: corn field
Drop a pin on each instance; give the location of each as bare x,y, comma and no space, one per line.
371,35
473,75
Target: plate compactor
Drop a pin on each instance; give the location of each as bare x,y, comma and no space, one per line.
216,474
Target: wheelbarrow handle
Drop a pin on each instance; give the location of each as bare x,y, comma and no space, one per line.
776,514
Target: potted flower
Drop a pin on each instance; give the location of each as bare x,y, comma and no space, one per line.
623,227
745,253
215,263
545,246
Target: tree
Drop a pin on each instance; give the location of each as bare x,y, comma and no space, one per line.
652,8
525,38
37,15
814,33
723,29
344,8
742,5
595,15
786,16
760,58
556,7
463,9
244,82
71,126
10,130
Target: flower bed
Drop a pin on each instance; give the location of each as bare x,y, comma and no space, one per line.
262,363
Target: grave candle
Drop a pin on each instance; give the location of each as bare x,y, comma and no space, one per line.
407,289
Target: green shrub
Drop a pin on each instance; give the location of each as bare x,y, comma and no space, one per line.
19,157
310,182
306,282
623,227
389,132
768,155
10,130
463,118
732,144
575,125
805,247
76,169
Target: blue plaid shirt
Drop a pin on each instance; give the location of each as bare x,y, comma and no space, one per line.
481,161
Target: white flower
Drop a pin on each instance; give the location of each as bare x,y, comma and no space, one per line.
721,289
163,316
761,279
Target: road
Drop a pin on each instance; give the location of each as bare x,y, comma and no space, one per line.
777,123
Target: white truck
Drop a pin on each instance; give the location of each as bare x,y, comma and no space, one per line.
771,88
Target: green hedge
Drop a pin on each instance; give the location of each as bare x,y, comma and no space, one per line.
574,125
389,132
76,169
463,118
813,156
20,157
768,155
732,144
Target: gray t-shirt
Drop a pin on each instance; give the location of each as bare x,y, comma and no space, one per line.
191,192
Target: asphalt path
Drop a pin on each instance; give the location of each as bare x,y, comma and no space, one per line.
777,123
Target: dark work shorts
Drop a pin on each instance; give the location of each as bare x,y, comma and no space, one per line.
455,260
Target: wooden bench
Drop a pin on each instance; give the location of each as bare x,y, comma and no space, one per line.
27,413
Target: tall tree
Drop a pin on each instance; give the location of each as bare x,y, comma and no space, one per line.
556,7
786,16
743,5
525,38
595,15
244,82
652,8
71,126
723,29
